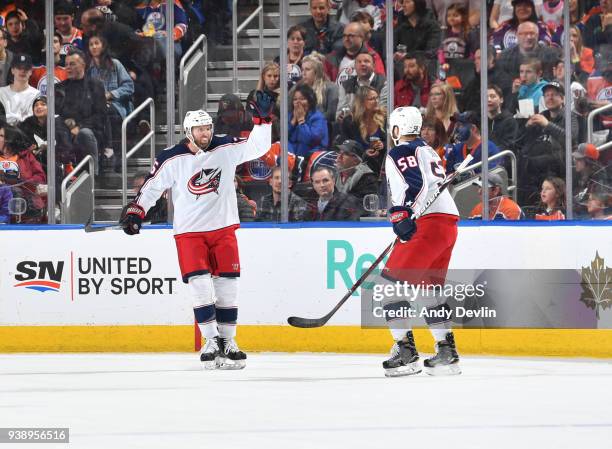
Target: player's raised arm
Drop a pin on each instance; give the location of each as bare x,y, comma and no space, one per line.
260,139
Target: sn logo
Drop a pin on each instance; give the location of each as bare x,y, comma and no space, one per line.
40,276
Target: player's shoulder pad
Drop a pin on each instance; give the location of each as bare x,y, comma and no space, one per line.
404,149
223,139
171,152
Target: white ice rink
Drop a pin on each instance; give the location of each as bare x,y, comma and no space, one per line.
306,401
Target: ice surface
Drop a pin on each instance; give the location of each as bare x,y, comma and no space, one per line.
306,401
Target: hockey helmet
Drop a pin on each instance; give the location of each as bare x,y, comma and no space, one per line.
405,121
196,118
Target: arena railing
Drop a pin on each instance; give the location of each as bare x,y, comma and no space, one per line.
64,206
125,155
237,29
590,119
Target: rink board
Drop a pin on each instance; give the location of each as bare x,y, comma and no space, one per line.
65,290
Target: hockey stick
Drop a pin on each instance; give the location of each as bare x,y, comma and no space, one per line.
318,322
90,228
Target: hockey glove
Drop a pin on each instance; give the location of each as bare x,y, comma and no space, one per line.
261,107
403,226
131,218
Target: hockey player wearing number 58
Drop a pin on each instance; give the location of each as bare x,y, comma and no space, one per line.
200,171
422,254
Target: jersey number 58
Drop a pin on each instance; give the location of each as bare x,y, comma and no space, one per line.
407,161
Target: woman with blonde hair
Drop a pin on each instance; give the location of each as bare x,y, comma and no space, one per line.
269,82
367,126
325,91
442,105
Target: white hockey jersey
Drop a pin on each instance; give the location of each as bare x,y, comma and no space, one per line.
414,170
202,184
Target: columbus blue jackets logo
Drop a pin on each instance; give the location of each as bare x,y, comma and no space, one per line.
206,181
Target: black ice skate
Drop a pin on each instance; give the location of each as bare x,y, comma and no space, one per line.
230,356
446,360
210,354
404,358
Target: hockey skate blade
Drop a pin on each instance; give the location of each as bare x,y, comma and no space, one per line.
209,365
445,370
406,370
228,365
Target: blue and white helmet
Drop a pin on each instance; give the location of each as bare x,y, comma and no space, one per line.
196,118
405,121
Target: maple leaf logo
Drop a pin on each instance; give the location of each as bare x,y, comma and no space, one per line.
597,285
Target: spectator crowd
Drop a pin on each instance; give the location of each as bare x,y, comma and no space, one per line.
109,57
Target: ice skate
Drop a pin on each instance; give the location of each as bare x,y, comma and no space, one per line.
446,360
230,356
210,354
404,358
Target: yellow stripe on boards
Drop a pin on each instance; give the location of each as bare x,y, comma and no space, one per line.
348,339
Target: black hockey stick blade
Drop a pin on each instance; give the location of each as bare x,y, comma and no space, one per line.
89,226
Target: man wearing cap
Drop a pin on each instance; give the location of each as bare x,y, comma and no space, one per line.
468,141
542,148
590,174
231,118
354,178
18,97
500,207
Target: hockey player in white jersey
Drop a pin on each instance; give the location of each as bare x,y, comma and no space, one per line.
200,172
414,170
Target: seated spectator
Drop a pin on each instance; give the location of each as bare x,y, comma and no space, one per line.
81,103
323,33
468,141
118,85
417,30
503,128
25,36
231,119
354,178
440,7
364,76
455,38
552,200
331,205
26,173
528,86
153,16
528,47
6,58
366,125
34,129
582,57
576,18
442,105
17,98
542,147
269,208
63,19
6,195
503,10
590,174
434,134
500,206
470,98
123,42
599,206
413,88
247,208
325,91
269,81
39,73
296,42
578,90
375,39
307,125
350,7
599,93
597,29
340,64
505,36
159,212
